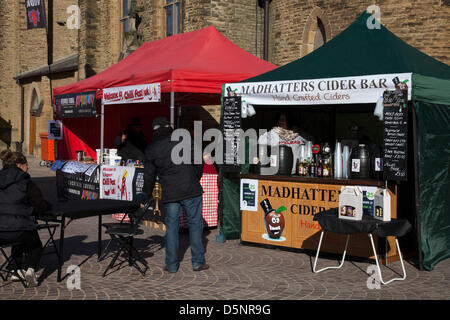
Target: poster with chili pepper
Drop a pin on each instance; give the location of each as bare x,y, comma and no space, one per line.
116,183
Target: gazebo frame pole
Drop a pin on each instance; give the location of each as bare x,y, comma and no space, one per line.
102,131
172,109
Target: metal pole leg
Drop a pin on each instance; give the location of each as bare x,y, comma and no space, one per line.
318,250
378,265
61,247
99,240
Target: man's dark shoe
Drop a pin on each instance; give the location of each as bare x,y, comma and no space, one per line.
201,268
170,271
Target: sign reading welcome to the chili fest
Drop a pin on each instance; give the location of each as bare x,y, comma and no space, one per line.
35,10
76,105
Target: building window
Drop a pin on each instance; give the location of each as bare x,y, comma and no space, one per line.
320,37
35,108
126,20
316,32
172,17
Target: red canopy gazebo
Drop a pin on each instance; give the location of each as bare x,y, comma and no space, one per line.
191,69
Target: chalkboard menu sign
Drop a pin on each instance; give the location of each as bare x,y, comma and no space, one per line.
231,123
77,105
395,134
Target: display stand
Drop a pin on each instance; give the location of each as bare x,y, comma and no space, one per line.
317,255
330,222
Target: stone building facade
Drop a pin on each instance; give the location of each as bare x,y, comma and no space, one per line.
107,32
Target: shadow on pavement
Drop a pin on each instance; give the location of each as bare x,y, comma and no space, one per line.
74,246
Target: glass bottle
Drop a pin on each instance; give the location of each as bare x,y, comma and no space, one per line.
326,169
312,168
300,168
319,169
306,167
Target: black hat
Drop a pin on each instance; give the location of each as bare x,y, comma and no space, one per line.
159,122
136,121
265,205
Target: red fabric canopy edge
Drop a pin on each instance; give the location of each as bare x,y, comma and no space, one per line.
198,62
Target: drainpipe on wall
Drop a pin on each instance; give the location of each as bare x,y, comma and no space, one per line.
265,4
19,146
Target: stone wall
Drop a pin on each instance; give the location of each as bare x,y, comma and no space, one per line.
22,50
293,30
422,24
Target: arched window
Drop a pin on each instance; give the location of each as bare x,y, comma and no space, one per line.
317,31
321,36
35,108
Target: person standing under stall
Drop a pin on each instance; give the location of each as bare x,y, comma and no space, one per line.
20,199
131,142
181,187
287,134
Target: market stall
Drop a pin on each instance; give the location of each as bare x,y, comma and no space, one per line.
355,79
190,69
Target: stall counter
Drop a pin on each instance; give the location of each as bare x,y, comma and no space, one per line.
302,198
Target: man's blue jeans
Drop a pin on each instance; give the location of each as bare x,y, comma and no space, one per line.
193,209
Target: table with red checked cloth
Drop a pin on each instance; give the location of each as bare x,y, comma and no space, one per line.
210,199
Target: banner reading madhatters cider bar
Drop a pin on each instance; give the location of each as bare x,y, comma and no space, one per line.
344,90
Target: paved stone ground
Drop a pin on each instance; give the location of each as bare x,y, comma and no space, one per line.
237,272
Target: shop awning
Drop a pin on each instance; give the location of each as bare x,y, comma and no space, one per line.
194,62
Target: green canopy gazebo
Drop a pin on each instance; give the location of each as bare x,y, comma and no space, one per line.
361,51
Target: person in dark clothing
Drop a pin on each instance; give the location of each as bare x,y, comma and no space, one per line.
181,187
20,199
131,143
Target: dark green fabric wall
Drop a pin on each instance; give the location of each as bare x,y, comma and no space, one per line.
434,181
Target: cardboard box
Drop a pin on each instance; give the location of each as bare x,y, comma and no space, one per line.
351,203
382,205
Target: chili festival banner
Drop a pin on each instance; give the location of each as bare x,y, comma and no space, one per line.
132,94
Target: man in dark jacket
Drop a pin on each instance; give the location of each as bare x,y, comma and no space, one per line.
131,143
180,188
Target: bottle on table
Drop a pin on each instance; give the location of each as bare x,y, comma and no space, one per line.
306,168
326,169
312,168
319,169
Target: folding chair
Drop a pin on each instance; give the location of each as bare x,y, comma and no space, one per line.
122,223
123,234
51,228
4,271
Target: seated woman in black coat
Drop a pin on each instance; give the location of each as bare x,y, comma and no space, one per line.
20,199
